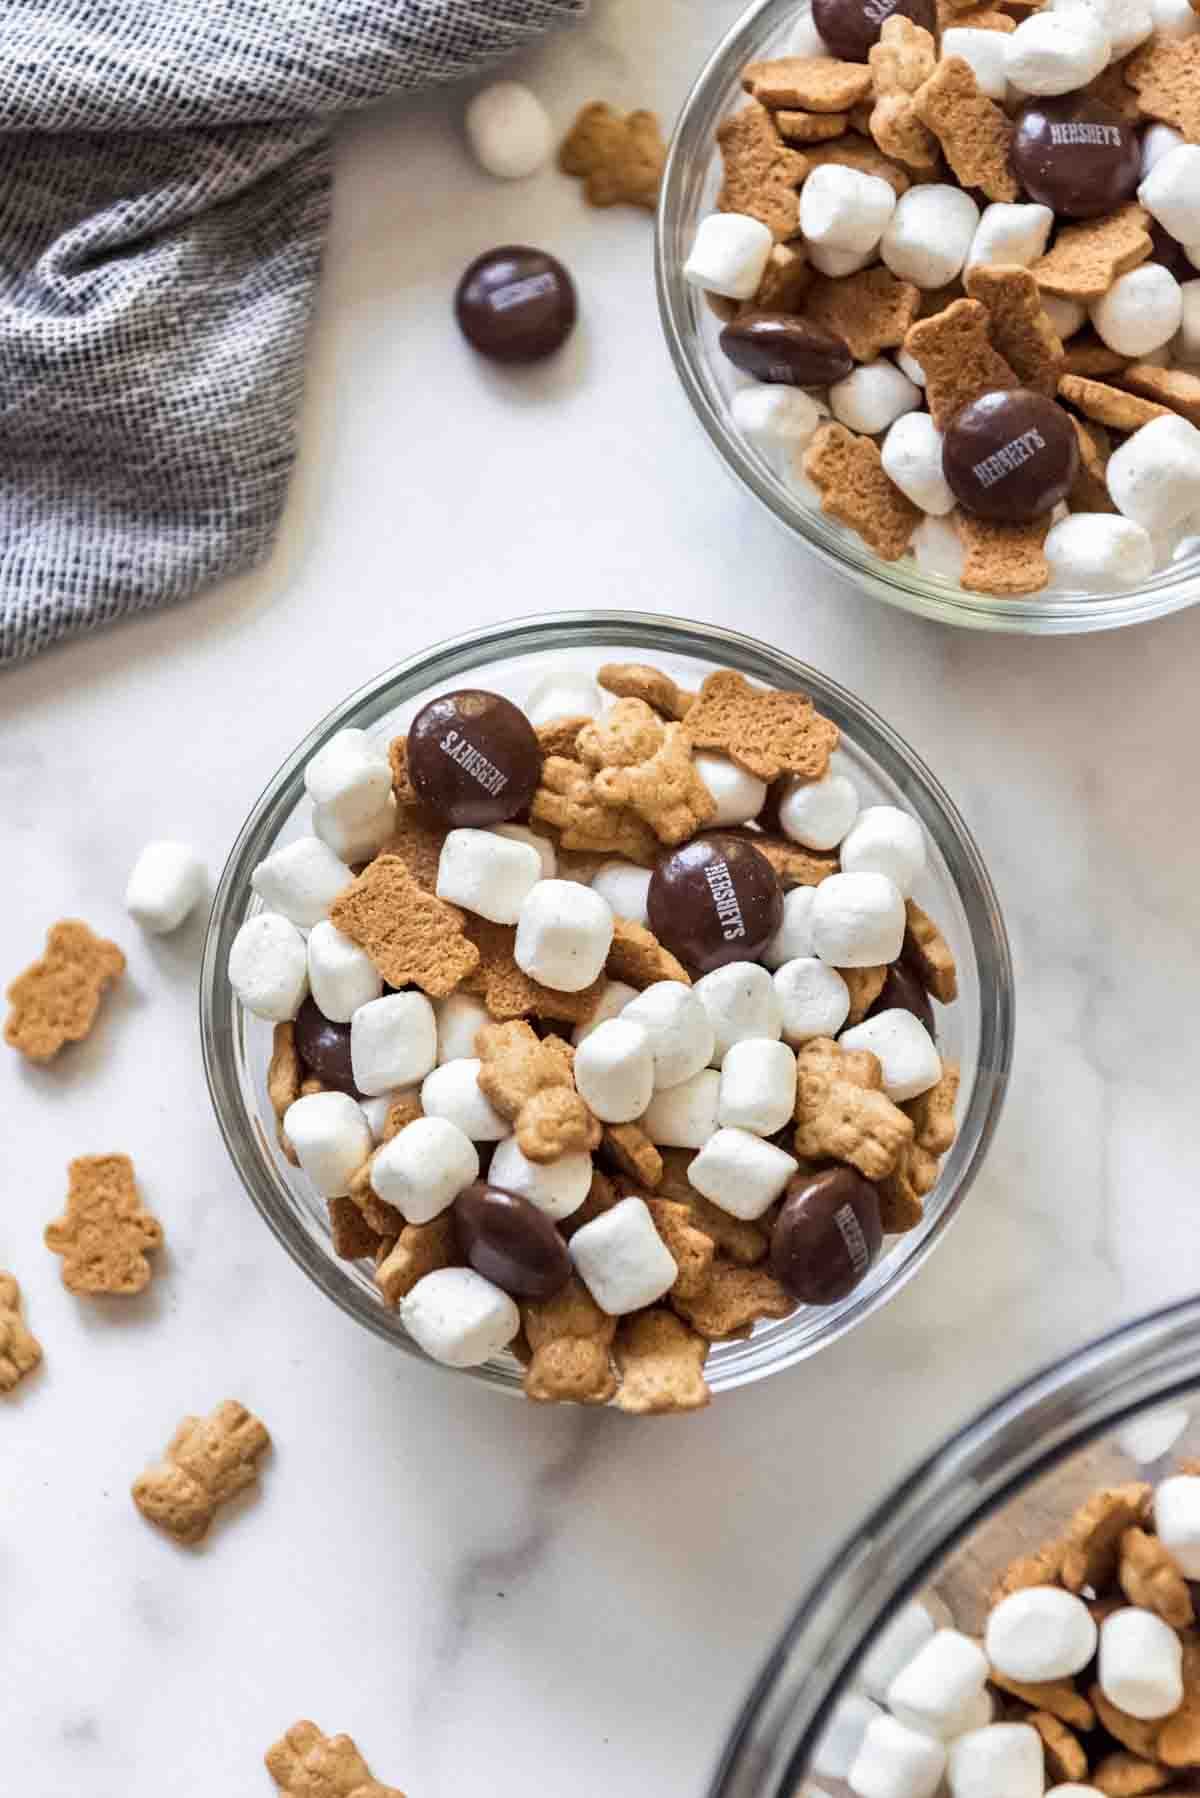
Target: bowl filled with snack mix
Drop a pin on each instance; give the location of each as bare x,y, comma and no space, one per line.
926,273
1020,1616
608,1006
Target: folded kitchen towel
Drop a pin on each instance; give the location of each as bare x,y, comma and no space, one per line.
164,192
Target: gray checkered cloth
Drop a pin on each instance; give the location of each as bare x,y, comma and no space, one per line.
164,193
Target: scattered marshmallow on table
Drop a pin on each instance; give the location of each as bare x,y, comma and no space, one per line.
873,396
458,1317
164,885
1054,53
268,967
905,1051
939,1682
729,255
814,1000
678,1030
1002,1758
897,1762
741,1001
452,1091
508,130
393,1042
358,841
858,920
738,796
1139,1667
556,1187
818,813
340,974
1170,192
983,52
614,1071
741,1173
1099,550
885,840
622,1259
564,694
772,418
349,778
842,1737
1177,1520
546,853
893,1648
1040,1633
623,886
488,874
1154,476
615,995
331,1138
930,234
912,456
422,1170
564,933
460,1018
793,939
1007,232
684,1116
758,1087
844,209
301,880
1141,310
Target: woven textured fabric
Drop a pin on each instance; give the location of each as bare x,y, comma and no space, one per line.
164,193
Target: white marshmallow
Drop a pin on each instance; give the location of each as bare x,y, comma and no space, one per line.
684,1116
740,1172
758,1087
1154,476
1071,1790
487,874
1054,53
564,933
1158,141
912,453
458,1317
331,1138
1147,1438
1141,310
508,130
1040,1633
818,813
873,395
357,842
614,1071
911,367
729,255
678,1029
1066,316
984,52
1187,343
350,778
268,967
1004,1760
738,795
393,1042
622,1259
741,1001
946,1675
842,1737
905,1049
836,263
1173,19
844,209
1126,23
1098,550
793,939
977,1713
937,548
376,1110
1139,1668
422,1170
775,418
1169,192
301,881
885,840
858,920
930,234
893,1648
341,975
806,40
544,848
567,693
1006,233
615,995
814,1000
452,1091
623,886
164,885
897,1762
460,1018
556,1187
1177,1519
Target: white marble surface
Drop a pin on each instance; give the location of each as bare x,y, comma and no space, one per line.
492,1598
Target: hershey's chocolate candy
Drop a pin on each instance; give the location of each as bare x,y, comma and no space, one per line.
510,1242
1010,455
324,1048
714,900
473,757
780,348
515,304
827,1235
902,991
1076,155
850,27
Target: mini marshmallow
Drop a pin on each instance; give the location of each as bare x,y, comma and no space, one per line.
1172,19
357,842
937,548
1141,310
393,1042
885,840
460,1018
814,1000
806,40
939,1682
897,1762
1070,1790
508,130
758,1087
684,1116
844,209
836,263
893,1648
1147,1438
488,874
977,1713
1040,1633
873,395
1004,1760
1169,192
912,453
331,1138
452,1092
615,995
1177,1519
422,1170
729,255
556,1187
818,813
1054,53
164,885
614,1071
905,1050
775,418
349,778
678,1029
911,367
740,1172
458,1317
301,881
1139,1668
268,967
1159,140
1006,233
1098,550
983,51
930,234
858,921
1126,23
842,1737
1154,476
623,886
564,694
544,848
1066,316
741,1001
1187,344
793,939
564,933
341,975
376,1110
739,796
622,1259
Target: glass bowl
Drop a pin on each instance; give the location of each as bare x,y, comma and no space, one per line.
689,191
1005,1484
976,1031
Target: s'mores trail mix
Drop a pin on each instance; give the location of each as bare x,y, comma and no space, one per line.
605,1028
955,252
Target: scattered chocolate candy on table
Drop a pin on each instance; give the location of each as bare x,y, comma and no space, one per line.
515,304
615,1034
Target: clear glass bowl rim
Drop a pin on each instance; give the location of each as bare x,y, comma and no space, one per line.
1138,1366
896,584
652,633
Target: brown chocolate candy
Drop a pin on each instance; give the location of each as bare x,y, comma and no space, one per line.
780,348
902,991
1010,455
1076,155
510,1242
850,27
324,1048
474,758
827,1235
714,900
515,304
